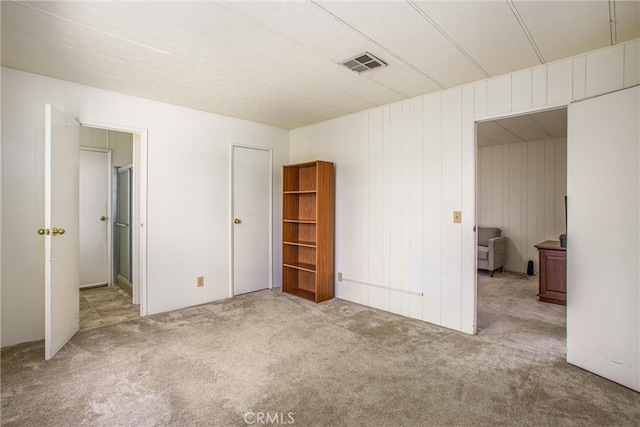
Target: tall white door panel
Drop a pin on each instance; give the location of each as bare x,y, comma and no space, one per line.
94,210
603,236
252,219
61,229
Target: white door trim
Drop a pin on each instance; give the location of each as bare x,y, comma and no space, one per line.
109,222
139,206
231,228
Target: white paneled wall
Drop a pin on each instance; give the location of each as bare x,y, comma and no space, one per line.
188,223
521,189
402,169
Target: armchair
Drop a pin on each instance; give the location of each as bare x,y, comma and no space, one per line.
492,249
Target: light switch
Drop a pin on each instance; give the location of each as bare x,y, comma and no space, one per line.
457,217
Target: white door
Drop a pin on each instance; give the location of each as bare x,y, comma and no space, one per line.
94,208
61,228
252,219
603,236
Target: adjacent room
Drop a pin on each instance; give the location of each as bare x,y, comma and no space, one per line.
320,213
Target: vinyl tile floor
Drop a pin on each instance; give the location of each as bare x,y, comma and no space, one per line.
105,306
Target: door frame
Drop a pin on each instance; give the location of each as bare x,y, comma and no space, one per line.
233,146
139,208
491,118
109,206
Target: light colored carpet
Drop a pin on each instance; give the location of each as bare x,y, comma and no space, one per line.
329,364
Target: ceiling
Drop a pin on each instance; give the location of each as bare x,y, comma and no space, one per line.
549,124
279,62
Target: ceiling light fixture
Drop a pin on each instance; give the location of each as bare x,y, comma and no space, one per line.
363,62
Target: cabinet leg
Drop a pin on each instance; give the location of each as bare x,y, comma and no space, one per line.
491,273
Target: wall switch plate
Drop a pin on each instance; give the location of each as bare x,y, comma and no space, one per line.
200,281
457,217
339,277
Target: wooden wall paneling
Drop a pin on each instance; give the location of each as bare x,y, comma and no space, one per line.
559,82
365,211
532,201
521,90
579,78
523,249
469,214
395,206
497,172
406,206
605,70
506,167
539,87
560,178
348,205
433,188
541,189
631,64
480,99
549,190
499,95
417,205
485,160
386,206
375,206
513,229
451,200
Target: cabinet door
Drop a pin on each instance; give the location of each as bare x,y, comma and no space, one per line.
555,275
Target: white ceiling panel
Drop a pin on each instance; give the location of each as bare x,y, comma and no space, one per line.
278,62
561,28
500,48
544,125
404,33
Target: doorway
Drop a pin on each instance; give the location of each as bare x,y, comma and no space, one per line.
126,212
251,235
521,185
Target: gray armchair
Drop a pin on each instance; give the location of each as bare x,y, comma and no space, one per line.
492,249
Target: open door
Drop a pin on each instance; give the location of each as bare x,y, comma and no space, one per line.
61,232
603,236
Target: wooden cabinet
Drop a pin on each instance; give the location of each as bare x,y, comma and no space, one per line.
552,276
307,230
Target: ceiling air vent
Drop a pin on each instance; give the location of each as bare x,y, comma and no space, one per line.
363,62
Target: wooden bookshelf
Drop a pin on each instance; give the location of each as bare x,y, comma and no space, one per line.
307,230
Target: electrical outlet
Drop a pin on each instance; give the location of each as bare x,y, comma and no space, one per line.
457,217
200,281
340,277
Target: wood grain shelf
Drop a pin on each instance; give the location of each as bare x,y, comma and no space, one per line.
311,268
301,243
307,230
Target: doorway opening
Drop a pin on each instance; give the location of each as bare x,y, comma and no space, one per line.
521,178
118,213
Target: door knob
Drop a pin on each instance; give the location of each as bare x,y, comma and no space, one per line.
102,218
42,231
236,221
56,231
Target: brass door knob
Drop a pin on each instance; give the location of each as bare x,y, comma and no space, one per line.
56,231
102,218
42,231
236,221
